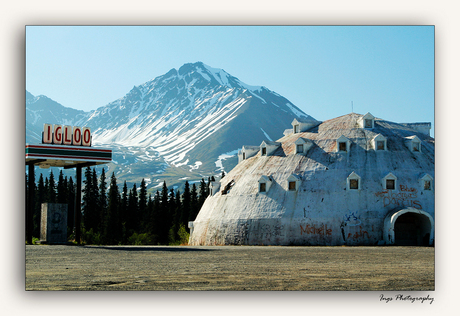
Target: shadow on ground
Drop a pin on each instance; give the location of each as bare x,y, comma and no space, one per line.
150,248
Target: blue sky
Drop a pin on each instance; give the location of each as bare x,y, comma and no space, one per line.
385,70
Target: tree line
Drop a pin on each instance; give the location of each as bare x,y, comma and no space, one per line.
127,217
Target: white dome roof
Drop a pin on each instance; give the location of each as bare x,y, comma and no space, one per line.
322,206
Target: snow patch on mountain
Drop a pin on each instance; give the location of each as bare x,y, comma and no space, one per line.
224,156
263,101
196,166
295,110
266,135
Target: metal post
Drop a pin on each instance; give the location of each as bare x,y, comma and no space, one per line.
30,205
77,211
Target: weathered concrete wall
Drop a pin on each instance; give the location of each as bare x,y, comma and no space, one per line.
53,225
323,210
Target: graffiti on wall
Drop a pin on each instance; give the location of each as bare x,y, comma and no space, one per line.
315,230
352,227
268,231
352,219
355,233
406,197
358,234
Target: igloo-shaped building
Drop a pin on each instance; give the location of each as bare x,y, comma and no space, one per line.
351,180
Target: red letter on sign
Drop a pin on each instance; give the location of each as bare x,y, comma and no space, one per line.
47,134
67,135
76,136
86,141
57,137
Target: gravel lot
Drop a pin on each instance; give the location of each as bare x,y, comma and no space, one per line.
59,267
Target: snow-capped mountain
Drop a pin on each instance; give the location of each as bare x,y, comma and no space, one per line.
188,123
41,110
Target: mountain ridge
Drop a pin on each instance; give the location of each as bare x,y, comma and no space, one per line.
180,122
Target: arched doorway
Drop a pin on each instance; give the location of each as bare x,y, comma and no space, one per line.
409,227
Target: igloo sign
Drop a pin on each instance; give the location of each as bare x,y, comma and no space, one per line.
66,135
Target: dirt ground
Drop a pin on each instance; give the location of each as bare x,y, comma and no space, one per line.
59,267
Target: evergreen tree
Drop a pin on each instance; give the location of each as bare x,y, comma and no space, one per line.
47,188
176,216
142,209
130,218
65,189
194,207
156,214
90,202
203,193
112,229
102,199
61,189
124,213
171,206
134,210
171,213
148,224
163,218
165,204
51,189
71,202
186,204
97,203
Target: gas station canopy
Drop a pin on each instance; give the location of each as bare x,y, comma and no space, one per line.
46,156
78,157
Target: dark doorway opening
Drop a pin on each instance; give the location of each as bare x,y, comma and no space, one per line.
412,229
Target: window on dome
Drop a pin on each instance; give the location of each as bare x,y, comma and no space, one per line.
413,143
342,146
264,151
380,145
244,155
299,149
354,184
296,128
426,182
292,186
427,185
262,187
390,184
366,121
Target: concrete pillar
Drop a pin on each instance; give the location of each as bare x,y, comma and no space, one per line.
53,227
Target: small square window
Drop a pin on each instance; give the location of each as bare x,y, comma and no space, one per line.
299,148
292,186
354,184
380,145
390,184
427,185
262,187
368,123
342,146
264,151
416,146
